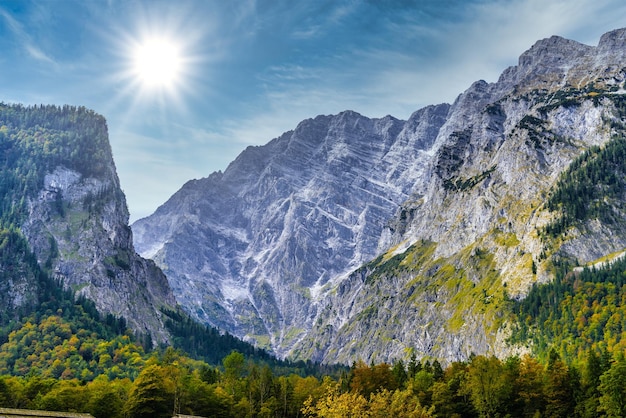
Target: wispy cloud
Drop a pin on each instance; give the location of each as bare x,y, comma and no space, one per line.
24,39
257,68
317,26
393,79
290,73
430,64
284,109
38,54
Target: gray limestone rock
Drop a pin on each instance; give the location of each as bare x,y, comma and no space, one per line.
273,250
79,227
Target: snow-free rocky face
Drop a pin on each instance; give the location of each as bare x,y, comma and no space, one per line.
78,224
352,237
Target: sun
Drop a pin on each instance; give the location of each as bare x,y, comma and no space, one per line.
157,60
157,63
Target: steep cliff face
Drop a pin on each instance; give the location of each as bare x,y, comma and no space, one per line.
478,231
516,136
449,205
251,249
69,206
79,227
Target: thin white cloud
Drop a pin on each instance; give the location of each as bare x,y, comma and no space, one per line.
398,82
286,108
338,14
492,37
24,39
290,72
38,54
307,33
501,30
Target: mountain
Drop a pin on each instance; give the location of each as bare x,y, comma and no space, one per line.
249,250
352,237
64,216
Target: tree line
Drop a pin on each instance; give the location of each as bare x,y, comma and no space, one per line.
482,386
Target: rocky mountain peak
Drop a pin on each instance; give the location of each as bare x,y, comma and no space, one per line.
352,237
556,63
613,42
286,219
545,64
552,54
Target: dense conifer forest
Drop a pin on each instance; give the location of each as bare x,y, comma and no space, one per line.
592,187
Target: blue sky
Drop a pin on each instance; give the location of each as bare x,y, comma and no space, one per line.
252,69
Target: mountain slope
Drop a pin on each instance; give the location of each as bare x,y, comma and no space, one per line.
483,217
449,205
61,195
249,249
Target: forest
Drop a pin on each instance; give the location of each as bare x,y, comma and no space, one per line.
169,382
577,312
592,187
57,352
63,356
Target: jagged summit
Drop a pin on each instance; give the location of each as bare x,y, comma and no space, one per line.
613,42
570,62
286,219
351,237
552,53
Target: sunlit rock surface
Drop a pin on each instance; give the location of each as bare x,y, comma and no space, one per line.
352,237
